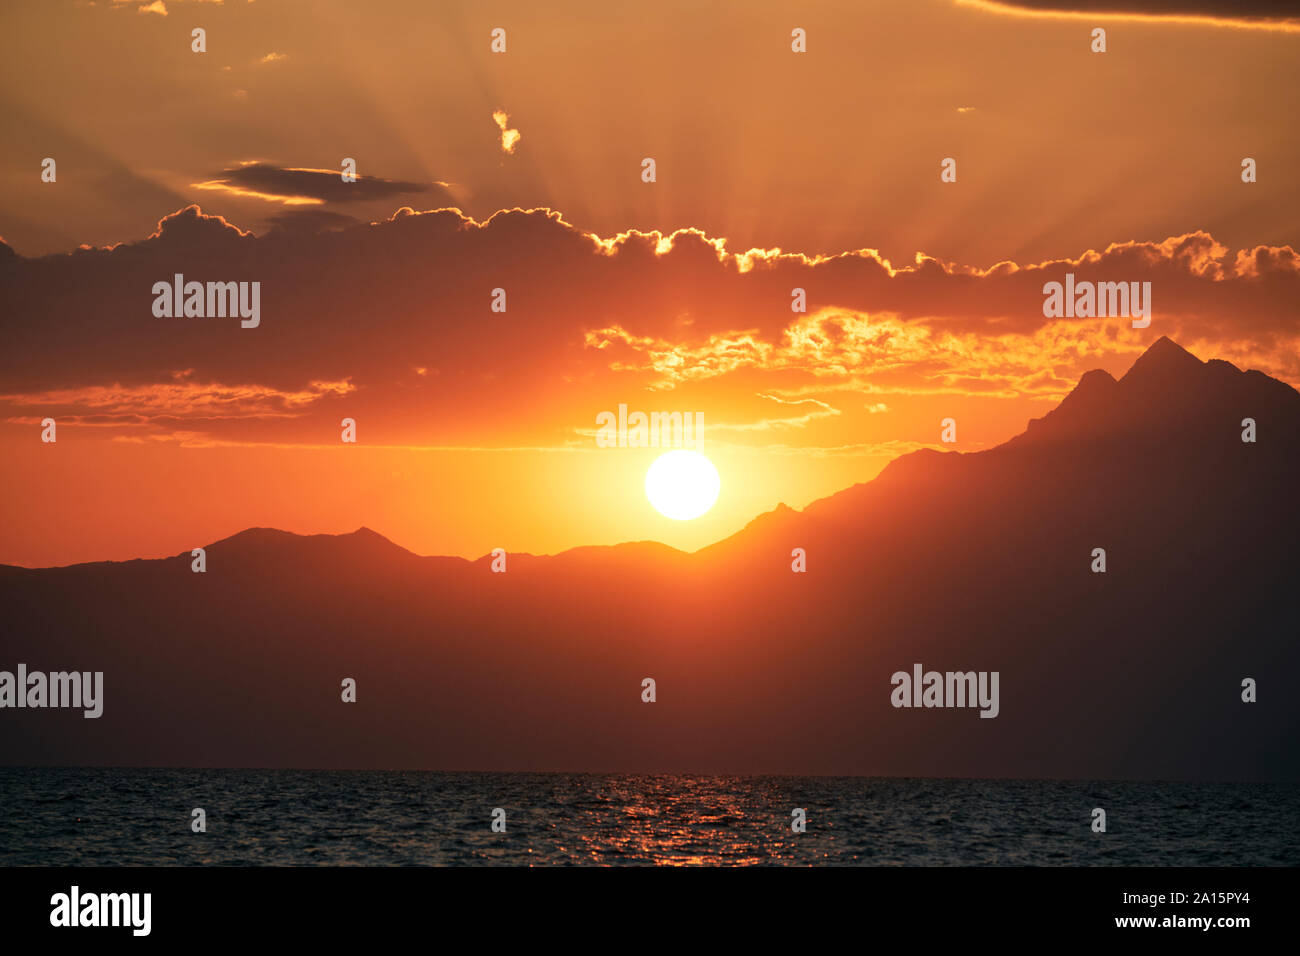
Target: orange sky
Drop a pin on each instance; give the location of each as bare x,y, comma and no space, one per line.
475,428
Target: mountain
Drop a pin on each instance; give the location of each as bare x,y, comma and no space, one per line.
957,561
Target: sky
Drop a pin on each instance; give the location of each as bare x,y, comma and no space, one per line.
522,170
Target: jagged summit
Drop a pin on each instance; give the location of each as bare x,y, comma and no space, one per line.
1165,384
1163,363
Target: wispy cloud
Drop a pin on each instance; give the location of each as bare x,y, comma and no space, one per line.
1235,14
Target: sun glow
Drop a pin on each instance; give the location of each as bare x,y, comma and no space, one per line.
682,485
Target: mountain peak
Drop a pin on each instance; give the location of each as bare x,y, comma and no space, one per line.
1159,381
275,541
1163,361
1089,403
1095,381
255,536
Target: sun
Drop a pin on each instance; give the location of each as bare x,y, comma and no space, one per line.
682,485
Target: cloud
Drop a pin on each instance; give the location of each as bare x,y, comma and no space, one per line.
274,58
169,402
311,220
191,229
818,410
400,310
509,137
1278,15
292,186
157,7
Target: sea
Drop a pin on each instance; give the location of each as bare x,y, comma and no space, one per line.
112,816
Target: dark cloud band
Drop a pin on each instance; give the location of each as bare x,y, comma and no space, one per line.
323,185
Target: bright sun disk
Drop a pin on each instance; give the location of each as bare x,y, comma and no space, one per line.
682,485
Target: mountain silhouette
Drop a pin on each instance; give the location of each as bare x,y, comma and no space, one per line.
958,561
